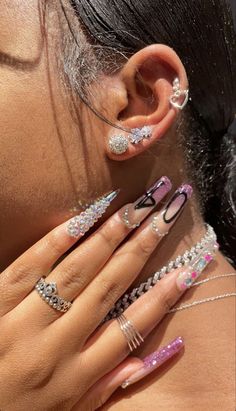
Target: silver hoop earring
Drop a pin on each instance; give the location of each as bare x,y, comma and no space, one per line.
139,134
118,144
177,95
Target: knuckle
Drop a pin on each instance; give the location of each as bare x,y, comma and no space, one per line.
109,292
35,372
73,277
53,244
163,297
145,247
112,233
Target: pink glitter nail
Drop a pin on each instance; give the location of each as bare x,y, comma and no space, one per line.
155,360
160,356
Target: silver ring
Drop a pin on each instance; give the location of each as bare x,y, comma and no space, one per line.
48,293
133,337
125,219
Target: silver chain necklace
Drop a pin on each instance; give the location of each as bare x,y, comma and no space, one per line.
205,300
129,298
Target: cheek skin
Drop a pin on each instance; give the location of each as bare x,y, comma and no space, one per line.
44,174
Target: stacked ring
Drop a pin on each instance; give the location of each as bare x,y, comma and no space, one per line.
132,336
48,292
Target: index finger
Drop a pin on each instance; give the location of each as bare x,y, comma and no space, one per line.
19,278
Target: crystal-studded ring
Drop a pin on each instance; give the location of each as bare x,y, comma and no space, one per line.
48,293
132,336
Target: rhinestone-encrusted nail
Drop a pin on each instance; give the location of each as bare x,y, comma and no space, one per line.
187,278
80,224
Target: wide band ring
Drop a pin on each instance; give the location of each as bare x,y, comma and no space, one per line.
133,337
48,293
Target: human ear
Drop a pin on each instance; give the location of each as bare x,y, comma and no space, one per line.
148,78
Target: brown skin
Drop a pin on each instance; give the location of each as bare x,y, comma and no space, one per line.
50,168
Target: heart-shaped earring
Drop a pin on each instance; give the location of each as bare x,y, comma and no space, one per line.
178,93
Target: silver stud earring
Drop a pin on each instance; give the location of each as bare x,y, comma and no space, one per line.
118,144
177,95
139,134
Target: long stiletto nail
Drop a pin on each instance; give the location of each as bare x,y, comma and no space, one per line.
155,360
186,278
135,214
163,221
82,223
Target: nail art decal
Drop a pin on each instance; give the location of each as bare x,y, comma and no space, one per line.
135,214
177,203
155,194
80,224
187,278
163,221
155,360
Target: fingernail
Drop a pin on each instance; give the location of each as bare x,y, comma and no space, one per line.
164,220
155,360
82,223
136,213
186,278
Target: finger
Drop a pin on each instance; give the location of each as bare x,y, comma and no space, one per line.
83,264
146,313
154,361
103,389
121,270
19,278
128,373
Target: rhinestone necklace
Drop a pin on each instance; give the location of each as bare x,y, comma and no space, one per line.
129,298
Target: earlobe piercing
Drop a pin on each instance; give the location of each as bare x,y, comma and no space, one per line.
119,143
177,95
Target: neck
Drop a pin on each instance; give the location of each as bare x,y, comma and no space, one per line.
188,230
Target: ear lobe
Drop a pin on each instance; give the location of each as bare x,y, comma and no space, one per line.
148,77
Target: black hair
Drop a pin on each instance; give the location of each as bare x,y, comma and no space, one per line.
203,35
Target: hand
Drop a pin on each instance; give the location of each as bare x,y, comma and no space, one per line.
51,360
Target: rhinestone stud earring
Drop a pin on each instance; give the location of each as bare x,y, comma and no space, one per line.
139,134
118,144
178,94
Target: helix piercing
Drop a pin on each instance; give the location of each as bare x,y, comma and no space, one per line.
177,95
